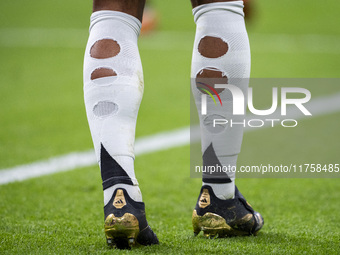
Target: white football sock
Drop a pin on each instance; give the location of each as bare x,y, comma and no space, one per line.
112,100
222,22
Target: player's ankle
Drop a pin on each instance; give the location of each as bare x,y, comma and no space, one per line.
133,191
222,191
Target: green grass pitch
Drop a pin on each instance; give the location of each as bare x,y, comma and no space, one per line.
42,115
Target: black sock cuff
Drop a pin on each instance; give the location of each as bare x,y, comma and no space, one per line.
116,180
216,180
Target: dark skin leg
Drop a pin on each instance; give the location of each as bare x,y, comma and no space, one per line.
196,3
132,7
109,48
136,8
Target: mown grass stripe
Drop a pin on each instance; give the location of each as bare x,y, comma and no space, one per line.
149,144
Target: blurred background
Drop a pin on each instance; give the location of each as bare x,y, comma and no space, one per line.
43,115
42,45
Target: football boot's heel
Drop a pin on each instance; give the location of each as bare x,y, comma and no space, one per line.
121,231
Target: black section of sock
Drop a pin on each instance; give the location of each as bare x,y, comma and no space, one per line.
210,159
112,173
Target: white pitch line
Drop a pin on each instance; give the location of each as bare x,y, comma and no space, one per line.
63,163
148,144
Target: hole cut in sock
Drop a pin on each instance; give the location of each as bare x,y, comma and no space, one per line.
212,47
105,48
102,72
210,76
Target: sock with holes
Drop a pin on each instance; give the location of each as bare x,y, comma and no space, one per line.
113,89
221,55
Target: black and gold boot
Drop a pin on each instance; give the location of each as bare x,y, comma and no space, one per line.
231,217
125,222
